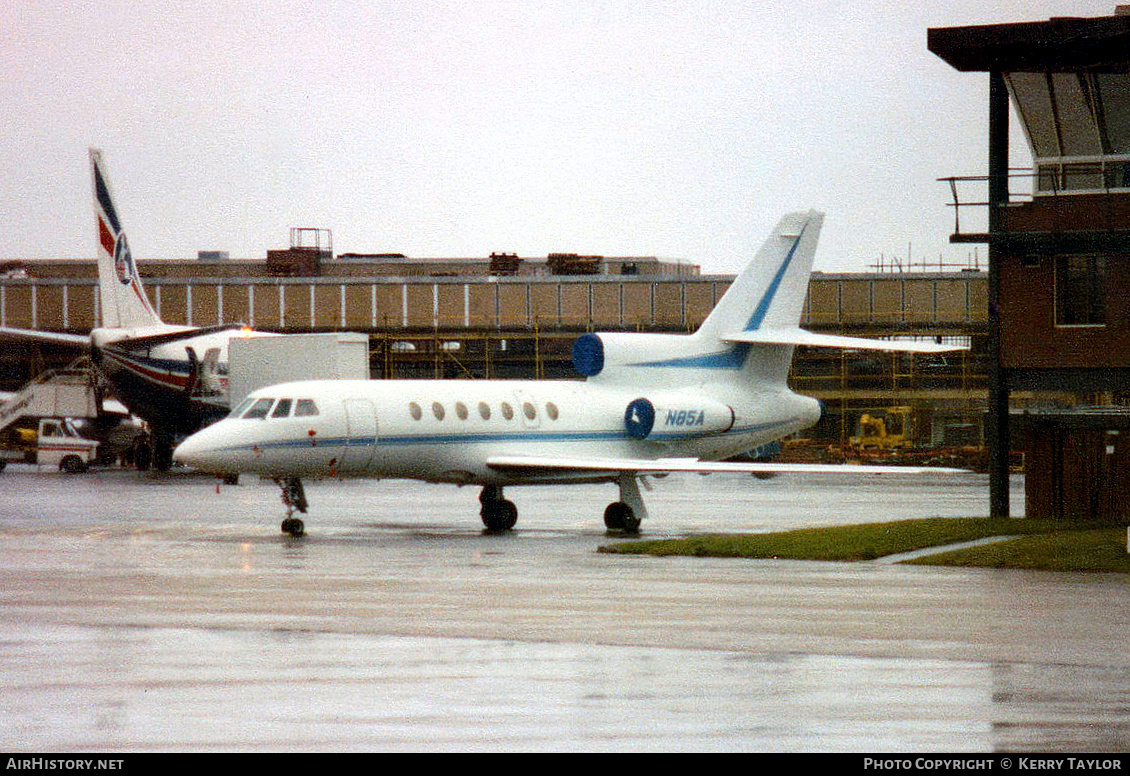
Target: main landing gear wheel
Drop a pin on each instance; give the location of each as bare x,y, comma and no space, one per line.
627,513
294,497
162,451
498,514
618,516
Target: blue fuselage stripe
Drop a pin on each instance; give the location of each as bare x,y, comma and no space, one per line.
762,308
408,440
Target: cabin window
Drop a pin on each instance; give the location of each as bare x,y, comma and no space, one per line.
415,411
484,410
305,408
259,409
551,410
529,410
507,411
461,410
282,409
437,410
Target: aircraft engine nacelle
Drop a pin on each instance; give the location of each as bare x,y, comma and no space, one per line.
673,417
607,355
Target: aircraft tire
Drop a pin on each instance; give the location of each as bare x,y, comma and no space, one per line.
163,456
618,516
499,514
293,526
143,457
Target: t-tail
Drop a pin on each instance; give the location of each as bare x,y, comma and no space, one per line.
750,334
768,296
121,295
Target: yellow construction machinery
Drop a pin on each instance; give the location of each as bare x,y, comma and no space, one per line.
892,432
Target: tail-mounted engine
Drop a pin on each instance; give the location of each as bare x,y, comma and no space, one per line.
629,357
673,417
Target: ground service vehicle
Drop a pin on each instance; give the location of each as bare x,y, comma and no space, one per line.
53,443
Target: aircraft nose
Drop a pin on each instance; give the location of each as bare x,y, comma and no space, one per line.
199,452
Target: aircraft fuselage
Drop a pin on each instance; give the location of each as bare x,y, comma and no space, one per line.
159,382
445,431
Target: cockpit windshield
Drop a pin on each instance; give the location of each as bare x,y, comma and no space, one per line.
253,408
259,409
241,408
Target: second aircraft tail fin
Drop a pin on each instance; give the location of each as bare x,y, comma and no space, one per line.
121,295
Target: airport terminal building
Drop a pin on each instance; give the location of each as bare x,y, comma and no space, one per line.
516,317
1043,319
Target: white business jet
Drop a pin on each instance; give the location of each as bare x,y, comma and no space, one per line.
649,404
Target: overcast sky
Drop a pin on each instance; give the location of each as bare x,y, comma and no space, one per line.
441,129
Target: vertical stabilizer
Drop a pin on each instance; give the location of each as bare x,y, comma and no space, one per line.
121,295
768,295
770,292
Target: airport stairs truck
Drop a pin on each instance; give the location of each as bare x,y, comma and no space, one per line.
35,423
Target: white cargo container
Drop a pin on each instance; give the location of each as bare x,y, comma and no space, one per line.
256,362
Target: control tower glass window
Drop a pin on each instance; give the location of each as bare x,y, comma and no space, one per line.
1078,128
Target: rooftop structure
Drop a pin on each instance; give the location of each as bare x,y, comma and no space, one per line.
1058,241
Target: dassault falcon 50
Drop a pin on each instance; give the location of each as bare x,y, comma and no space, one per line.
650,403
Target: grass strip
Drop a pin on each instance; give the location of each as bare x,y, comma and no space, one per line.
1044,544
1098,550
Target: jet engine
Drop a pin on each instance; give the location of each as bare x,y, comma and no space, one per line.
613,356
672,417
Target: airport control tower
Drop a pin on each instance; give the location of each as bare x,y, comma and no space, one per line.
1059,255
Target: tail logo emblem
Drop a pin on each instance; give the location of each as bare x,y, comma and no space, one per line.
123,259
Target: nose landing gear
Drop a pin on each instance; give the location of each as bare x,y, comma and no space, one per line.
294,497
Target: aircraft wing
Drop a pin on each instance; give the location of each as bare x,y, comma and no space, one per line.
165,337
534,465
77,341
812,339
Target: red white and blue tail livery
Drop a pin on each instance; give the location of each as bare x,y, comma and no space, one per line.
173,377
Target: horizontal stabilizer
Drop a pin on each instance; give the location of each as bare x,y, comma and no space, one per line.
75,341
535,465
797,336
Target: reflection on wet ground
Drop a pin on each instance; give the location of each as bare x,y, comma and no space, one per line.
166,614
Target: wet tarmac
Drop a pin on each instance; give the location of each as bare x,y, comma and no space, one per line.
145,613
